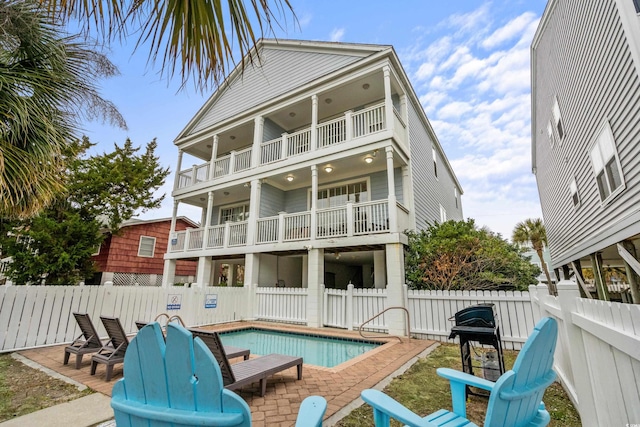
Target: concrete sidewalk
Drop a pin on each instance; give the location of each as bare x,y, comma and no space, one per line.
86,411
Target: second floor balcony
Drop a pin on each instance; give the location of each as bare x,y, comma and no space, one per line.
350,220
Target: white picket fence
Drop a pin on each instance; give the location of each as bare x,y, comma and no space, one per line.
598,354
430,312
34,316
42,315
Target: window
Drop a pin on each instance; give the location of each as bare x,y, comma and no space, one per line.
234,214
575,197
339,196
636,3
435,163
455,196
558,119
443,214
147,246
606,164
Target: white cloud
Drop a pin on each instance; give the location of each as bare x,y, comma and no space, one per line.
475,88
337,34
509,31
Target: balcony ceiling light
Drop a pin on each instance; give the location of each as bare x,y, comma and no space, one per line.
368,159
232,137
328,100
328,169
292,114
365,86
289,177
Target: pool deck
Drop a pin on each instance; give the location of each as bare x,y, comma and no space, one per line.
341,385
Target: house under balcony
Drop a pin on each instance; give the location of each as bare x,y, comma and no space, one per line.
308,166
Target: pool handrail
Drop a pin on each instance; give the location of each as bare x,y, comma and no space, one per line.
381,313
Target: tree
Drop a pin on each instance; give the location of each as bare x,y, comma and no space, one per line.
105,189
116,185
198,37
47,86
533,231
456,255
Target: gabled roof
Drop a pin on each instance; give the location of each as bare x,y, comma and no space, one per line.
265,79
137,221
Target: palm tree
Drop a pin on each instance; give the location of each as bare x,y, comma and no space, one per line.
199,37
47,85
533,231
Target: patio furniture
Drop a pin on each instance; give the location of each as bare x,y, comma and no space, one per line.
231,351
515,399
209,340
87,342
179,383
113,351
250,371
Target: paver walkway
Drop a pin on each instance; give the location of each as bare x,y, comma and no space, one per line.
340,385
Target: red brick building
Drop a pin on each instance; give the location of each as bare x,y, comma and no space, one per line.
136,254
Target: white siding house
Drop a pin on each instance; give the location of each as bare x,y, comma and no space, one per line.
308,166
586,134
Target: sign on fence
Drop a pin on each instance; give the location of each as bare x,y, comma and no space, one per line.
174,301
211,301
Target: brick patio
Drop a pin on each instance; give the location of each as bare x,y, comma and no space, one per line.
340,385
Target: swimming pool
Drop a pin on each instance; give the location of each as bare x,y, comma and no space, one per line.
314,349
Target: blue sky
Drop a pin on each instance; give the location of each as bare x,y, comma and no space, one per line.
468,61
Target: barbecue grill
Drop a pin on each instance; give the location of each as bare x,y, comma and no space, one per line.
477,323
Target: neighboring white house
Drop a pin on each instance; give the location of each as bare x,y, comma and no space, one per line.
308,166
586,134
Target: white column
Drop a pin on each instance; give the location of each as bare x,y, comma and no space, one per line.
379,270
258,132
203,278
251,278
314,122
214,154
388,102
207,220
314,202
172,227
168,272
177,181
314,292
395,297
231,276
404,111
391,188
254,211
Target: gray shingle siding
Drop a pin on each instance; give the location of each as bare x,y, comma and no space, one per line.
428,191
271,130
582,56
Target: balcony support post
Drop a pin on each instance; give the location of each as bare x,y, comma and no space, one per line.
348,125
349,218
404,112
207,220
315,287
314,202
176,184
391,187
254,211
407,194
283,153
232,162
258,132
314,122
214,154
388,102
205,266
168,272
281,227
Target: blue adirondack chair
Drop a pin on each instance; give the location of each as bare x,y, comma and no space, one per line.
179,383
515,400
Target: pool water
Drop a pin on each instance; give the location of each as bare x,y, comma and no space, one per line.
314,349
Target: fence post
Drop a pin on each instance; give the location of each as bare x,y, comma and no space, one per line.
581,389
349,307
535,302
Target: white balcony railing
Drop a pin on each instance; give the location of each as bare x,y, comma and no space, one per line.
354,219
351,125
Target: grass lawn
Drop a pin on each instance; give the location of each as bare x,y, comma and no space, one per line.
24,390
424,392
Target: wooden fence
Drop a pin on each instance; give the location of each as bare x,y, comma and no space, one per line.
598,354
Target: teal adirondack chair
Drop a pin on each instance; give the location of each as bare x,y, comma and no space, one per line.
515,400
179,383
